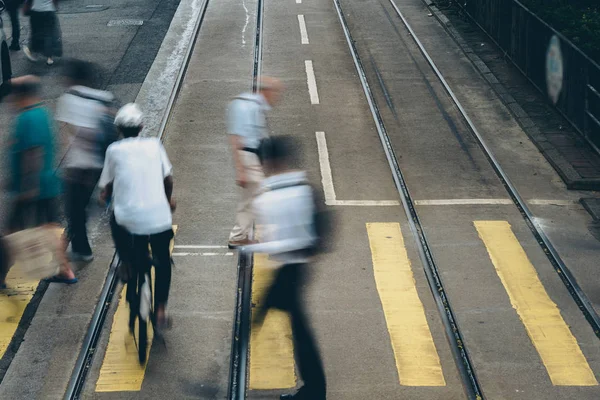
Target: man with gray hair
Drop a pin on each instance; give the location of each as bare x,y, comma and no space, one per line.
247,131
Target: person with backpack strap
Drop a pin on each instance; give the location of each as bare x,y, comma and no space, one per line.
287,207
89,115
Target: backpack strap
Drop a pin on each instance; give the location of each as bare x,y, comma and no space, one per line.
88,97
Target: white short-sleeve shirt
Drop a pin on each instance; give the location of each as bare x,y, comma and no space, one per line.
137,168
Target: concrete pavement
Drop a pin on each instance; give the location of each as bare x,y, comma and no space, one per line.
369,301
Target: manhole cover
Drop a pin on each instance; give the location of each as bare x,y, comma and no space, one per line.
125,22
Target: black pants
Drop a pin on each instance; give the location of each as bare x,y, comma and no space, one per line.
13,13
134,249
79,189
285,294
45,34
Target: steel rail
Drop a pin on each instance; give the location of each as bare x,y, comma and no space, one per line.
459,352
558,264
240,341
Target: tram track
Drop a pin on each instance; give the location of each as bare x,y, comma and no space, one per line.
455,339
238,373
566,276
458,346
240,340
93,334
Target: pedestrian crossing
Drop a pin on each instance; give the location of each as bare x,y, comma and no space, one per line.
271,348
13,302
417,359
120,370
556,345
414,347
415,353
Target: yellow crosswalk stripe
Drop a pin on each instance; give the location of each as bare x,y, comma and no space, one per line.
14,301
556,345
121,371
416,357
271,348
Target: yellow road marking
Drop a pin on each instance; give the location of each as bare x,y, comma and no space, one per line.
121,370
556,345
13,301
416,357
271,348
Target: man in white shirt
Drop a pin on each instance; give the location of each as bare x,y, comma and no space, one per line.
247,129
138,174
287,208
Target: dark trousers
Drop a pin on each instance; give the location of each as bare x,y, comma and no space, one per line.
285,294
45,34
79,190
13,13
135,250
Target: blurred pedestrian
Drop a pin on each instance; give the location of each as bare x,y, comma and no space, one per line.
89,116
287,206
12,6
45,37
138,176
247,131
34,185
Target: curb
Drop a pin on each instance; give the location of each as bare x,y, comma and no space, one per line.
565,170
592,206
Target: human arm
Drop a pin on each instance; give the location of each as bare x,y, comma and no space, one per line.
239,124
236,143
167,170
105,184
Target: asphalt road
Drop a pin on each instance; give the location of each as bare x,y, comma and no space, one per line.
369,300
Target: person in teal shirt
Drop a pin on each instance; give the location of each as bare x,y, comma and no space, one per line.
33,173
34,185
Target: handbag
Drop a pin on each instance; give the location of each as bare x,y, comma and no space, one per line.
34,251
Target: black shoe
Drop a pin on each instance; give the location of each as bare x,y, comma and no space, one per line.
302,394
15,46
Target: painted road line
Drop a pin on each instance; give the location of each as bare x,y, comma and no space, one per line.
271,348
180,246
462,202
298,1
14,300
312,82
121,370
556,345
200,254
326,177
542,202
303,32
327,180
416,357
366,203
